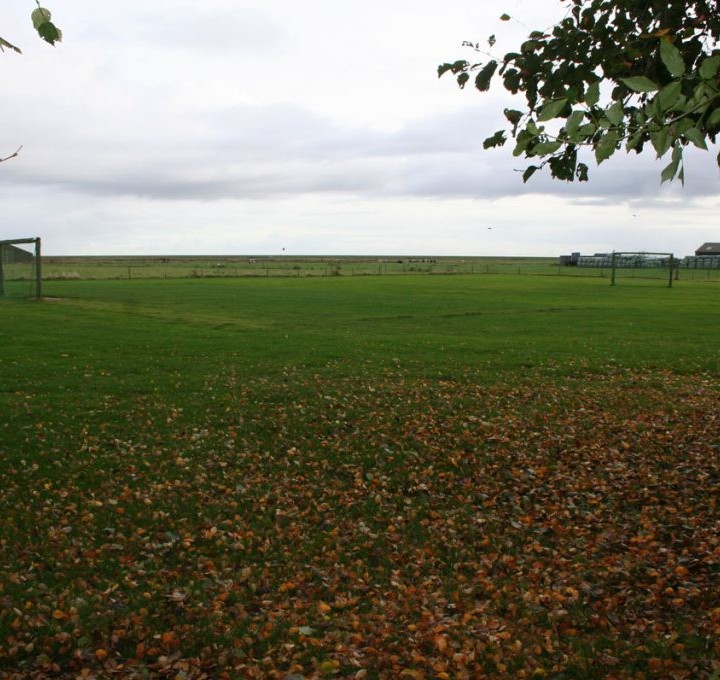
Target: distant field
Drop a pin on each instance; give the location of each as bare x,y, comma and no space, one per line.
360,477
19,277
277,266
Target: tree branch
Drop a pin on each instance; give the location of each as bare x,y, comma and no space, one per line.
12,155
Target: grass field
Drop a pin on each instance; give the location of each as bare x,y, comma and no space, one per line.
360,477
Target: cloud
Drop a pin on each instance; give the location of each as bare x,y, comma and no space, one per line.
264,151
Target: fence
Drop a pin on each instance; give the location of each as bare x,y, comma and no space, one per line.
89,268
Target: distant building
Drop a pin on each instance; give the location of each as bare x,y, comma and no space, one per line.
569,260
707,256
708,249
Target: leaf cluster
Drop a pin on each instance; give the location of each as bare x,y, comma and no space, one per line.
42,23
611,74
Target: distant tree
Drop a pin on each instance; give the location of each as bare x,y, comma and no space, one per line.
611,73
47,30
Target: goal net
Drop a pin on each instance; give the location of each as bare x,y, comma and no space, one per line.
20,271
642,265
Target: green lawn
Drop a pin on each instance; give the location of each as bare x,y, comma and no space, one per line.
381,477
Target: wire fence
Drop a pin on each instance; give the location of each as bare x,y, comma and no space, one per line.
98,268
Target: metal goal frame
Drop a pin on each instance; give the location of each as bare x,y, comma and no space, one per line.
38,268
616,255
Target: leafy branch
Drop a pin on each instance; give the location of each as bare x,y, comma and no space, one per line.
609,74
42,23
47,30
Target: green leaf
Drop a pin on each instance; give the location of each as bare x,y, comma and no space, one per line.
672,58
50,33
573,124
653,111
582,172
519,148
552,109
615,113
709,67
634,140
670,95
529,172
640,84
592,96
661,141
696,137
504,17
532,128
714,118
702,95
456,67
562,166
523,139
511,80
670,170
462,79
40,16
606,147
682,126
545,148
482,80
498,139
513,116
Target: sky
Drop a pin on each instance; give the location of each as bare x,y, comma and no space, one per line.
316,127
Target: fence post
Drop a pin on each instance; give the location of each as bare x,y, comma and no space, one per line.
670,277
38,270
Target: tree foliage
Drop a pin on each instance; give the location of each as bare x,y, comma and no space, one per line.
42,22
47,30
610,74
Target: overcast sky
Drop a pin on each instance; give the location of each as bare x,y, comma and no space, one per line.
314,127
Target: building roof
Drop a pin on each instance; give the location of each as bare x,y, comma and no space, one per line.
708,249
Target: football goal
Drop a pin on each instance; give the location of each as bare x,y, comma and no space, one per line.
658,266
20,270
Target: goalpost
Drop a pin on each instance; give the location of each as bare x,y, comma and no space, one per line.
642,260
11,256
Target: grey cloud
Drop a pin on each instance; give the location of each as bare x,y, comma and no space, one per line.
258,152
